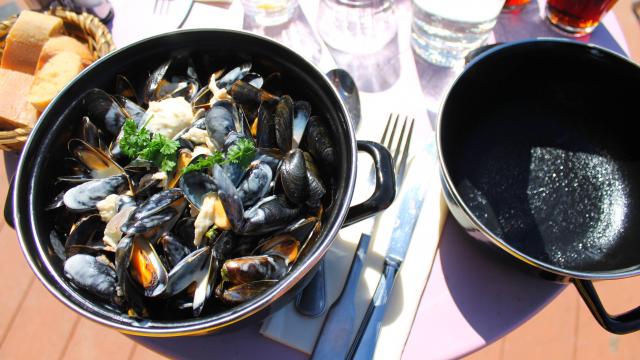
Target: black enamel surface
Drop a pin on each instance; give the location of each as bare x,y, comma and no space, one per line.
539,142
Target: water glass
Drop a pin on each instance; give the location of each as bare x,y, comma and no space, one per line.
357,26
577,18
444,31
270,12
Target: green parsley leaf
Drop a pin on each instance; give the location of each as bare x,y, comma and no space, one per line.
204,162
211,233
242,152
160,150
133,141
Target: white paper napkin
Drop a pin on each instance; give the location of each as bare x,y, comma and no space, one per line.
300,332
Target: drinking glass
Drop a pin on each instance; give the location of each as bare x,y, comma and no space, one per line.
515,5
444,31
270,12
577,17
357,26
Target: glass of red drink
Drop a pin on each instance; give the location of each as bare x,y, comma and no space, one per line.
577,17
514,5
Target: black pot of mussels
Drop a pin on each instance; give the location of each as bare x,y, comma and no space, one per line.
189,181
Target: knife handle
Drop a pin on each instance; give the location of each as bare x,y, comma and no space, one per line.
364,344
340,323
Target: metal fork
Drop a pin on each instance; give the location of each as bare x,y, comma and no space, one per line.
340,324
400,148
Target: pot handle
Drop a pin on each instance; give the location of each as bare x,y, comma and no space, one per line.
8,206
385,190
618,324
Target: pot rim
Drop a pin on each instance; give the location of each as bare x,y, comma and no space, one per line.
448,182
51,281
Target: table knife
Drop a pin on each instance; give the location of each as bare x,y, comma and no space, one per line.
411,199
340,323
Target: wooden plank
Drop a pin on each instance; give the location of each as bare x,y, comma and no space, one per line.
15,279
93,341
142,353
596,343
41,328
550,334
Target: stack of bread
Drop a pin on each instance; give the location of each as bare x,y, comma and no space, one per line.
37,62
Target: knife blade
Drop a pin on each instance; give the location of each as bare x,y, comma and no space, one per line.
340,323
411,198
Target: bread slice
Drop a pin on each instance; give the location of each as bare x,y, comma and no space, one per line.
53,76
26,38
58,44
15,110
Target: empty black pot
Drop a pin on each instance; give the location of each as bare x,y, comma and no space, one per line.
539,158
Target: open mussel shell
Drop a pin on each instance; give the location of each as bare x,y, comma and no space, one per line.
233,75
245,92
92,135
270,214
316,185
293,177
91,275
273,83
253,268
283,119
154,80
272,157
317,141
229,197
266,128
86,236
147,268
112,232
85,196
244,292
192,269
124,88
158,202
254,79
157,220
283,245
133,111
256,183
97,162
173,248
301,114
104,110
195,186
304,228
174,77
57,201
222,118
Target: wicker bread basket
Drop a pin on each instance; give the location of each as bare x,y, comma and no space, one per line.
84,27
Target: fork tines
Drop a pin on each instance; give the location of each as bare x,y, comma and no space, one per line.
398,145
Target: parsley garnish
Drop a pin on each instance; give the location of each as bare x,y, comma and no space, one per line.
211,233
204,162
242,153
158,149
